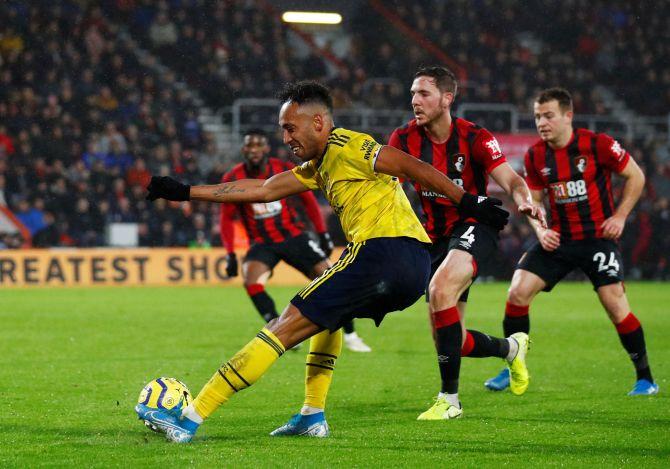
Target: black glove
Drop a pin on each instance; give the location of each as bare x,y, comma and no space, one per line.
326,243
485,209
231,267
167,188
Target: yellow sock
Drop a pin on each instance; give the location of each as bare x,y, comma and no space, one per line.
324,348
239,372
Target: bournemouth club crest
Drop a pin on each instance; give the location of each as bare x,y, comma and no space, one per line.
459,162
580,163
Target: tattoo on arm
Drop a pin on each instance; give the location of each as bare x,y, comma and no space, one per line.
227,189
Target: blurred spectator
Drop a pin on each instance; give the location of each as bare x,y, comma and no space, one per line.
32,216
47,236
138,174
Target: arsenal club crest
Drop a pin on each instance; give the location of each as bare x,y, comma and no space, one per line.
580,163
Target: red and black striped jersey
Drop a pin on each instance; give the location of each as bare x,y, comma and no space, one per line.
578,179
271,222
467,157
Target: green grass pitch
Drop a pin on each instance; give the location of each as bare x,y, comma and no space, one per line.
73,361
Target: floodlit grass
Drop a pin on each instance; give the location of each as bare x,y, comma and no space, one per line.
73,362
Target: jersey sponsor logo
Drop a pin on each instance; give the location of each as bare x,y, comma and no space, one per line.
494,148
266,210
432,195
580,163
367,148
566,192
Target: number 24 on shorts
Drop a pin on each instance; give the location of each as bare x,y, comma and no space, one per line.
601,258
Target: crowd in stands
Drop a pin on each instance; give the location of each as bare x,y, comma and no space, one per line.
85,119
84,122
512,49
232,49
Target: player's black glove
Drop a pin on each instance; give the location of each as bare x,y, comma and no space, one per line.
164,187
326,243
231,267
485,209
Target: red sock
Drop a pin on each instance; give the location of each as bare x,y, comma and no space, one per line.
628,325
515,311
468,345
445,317
254,289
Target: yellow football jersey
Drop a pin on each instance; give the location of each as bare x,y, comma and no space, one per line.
369,204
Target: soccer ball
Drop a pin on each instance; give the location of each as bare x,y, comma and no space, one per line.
168,394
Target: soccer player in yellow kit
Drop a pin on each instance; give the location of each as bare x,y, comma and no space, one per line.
384,268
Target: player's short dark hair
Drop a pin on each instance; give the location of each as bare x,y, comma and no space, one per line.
256,131
445,80
561,95
306,92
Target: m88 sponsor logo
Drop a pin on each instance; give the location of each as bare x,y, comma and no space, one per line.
565,191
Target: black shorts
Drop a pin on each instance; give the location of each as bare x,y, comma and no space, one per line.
369,280
477,239
301,252
599,259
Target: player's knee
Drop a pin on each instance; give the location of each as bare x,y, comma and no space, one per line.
519,296
443,293
613,298
521,292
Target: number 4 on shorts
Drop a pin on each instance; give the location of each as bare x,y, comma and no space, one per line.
469,236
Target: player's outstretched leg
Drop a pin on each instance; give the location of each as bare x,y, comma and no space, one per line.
238,373
512,349
353,341
324,349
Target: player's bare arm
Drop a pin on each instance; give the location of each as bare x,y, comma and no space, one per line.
632,189
277,187
397,163
515,186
